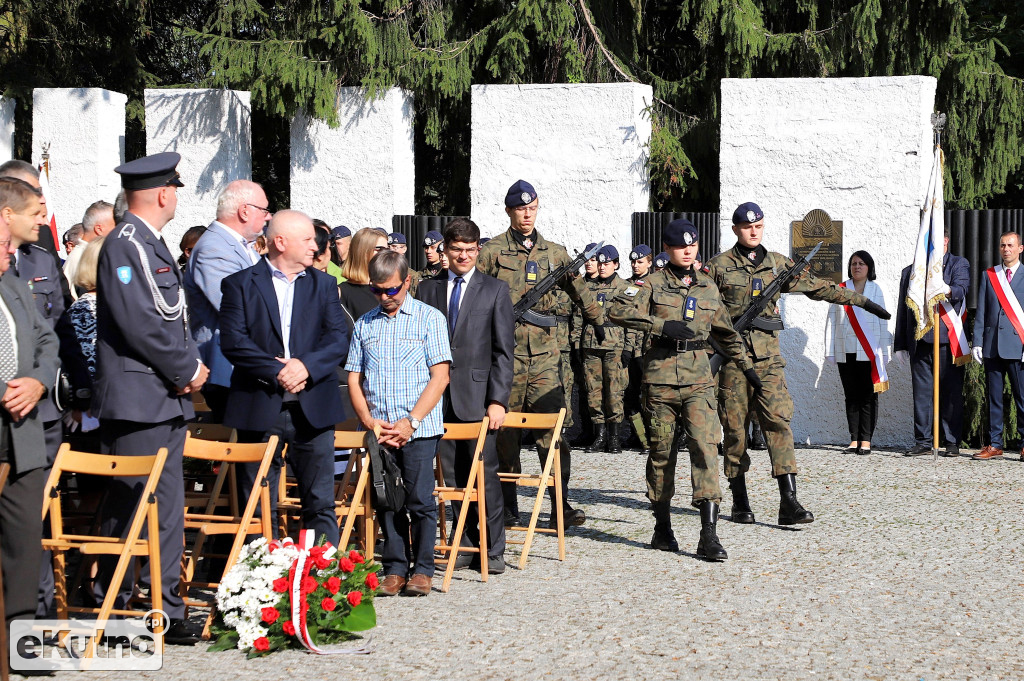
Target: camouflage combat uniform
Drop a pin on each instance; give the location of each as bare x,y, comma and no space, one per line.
738,278
677,383
632,404
563,310
537,381
603,373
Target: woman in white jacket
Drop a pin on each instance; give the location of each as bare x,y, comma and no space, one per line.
860,346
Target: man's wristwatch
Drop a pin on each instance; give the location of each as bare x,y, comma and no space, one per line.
414,422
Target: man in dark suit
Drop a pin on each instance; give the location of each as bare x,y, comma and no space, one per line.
481,331
146,367
956,272
28,366
998,334
282,327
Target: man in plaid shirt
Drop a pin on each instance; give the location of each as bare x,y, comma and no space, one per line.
398,370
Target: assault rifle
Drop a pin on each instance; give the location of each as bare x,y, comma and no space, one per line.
523,310
745,320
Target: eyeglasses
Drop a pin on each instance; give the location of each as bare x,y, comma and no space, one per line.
380,248
393,291
266,211
526,209
456,252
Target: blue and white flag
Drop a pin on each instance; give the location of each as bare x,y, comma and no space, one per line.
926,285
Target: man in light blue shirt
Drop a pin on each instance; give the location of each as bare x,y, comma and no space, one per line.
398,370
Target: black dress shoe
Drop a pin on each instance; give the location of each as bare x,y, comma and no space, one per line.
852,450
180,634
495,565
464,561
919,450
570,517
511,519
950,450
863,452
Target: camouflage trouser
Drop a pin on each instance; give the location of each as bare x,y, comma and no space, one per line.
605,378
535,388
693,408
568,381
774,410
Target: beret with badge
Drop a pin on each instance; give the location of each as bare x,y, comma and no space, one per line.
520,194
341,232
432,237
640,251
661,260
608,254
746,213
396,238
680,232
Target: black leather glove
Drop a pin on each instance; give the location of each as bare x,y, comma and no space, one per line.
599,334
677,330
626,358
753,380
877,310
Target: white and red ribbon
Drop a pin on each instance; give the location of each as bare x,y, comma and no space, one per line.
868,343
1007,300
954,321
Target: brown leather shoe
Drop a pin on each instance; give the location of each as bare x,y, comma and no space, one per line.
391,585
988,452
419,585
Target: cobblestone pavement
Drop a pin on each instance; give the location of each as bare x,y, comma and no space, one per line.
913,570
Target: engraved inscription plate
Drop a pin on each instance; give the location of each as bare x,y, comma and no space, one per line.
818,226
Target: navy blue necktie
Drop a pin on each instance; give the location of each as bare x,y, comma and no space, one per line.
453,305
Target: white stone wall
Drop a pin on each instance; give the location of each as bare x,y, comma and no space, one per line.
84,128
582,147
362,172
6,128
859,148
211,130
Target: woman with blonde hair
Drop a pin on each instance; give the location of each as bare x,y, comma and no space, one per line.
355,290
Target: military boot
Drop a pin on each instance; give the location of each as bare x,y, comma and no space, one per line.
790,510
600,438
613,446
757,436
709,548
741,512
663,539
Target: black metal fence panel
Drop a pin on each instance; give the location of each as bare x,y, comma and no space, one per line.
974,234
415,227
647,229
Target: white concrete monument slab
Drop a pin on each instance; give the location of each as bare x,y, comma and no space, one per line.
211,130
860,149
582,147
83,128
7,128
362,172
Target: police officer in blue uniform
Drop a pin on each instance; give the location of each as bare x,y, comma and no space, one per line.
147,365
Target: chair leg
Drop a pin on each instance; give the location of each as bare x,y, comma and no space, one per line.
481,521
559,502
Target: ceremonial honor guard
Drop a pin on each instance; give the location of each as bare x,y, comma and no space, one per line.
679,308
521,258
146,366
431,241
741,274
641,260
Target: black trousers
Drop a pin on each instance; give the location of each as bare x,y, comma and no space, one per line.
995,370
861,398
951,394
21,530
456,457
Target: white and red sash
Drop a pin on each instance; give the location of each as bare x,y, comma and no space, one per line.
1007,300
868,340
959,348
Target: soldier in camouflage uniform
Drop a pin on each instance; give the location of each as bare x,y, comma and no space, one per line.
562,311
641,262
741,273
679,307
521,257
603,373
430,252
574,359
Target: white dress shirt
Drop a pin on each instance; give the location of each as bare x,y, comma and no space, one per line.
285,291
451,287
1012,270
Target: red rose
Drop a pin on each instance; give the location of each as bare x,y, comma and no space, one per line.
372,581
309,585
328,604
333,584
288,627
261,644
346,565
320,562
270,615
355,556
355,598
280,585
316,551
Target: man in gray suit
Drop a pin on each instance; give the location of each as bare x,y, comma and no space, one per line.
28,366
146,367
481,330
225,248
998,334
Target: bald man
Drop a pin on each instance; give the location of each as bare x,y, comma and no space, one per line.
282,326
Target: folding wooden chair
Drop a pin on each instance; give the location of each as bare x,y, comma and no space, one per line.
473,492
550,476
126,549
210,499
209,522
353,493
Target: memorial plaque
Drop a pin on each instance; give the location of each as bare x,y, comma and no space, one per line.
818,226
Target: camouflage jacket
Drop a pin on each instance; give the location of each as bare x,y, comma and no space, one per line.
635,339
615,336
737,278
663,297
505,258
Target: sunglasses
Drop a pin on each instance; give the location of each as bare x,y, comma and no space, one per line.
393,291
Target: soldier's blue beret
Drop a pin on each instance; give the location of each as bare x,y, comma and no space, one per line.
747,212
661,260
520,194
396,238
340,232
432,237
440,247
484,239
607,254
641,251
589,246
148,172
680,232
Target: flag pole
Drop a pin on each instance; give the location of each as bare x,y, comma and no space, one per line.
938,123
46,159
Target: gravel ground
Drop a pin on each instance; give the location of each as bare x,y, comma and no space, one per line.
912,570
